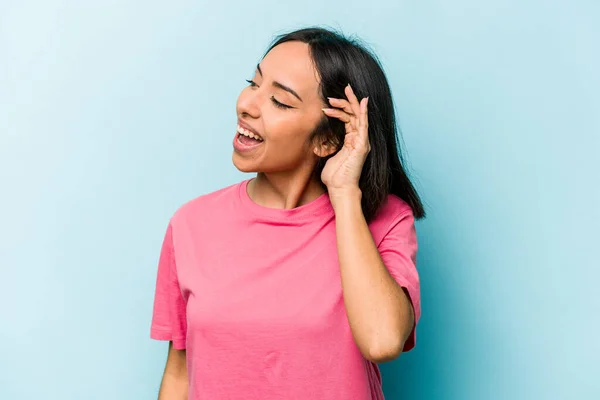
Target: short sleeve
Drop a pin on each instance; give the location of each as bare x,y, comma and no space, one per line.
398,250
169,316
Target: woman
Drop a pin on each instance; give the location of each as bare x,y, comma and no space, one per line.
295,284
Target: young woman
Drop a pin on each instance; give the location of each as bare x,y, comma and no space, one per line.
296,283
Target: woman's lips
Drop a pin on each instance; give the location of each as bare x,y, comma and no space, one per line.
243,145
247,127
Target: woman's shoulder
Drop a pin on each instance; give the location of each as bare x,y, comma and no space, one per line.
392,208
392,212
208,202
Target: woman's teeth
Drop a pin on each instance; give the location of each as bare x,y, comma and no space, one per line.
249,134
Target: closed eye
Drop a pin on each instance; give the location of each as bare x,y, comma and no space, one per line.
276,103
280,105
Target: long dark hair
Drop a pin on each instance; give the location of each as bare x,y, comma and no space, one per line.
339,61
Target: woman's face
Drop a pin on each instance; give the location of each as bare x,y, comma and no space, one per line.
282,106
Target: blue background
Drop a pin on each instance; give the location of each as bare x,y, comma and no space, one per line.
114,113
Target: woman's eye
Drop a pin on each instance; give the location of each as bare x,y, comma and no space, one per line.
278,104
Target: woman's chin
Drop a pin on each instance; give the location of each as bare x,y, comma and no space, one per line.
243,166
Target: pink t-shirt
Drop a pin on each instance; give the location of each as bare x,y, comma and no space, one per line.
254,295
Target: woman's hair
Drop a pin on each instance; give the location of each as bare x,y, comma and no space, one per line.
339,61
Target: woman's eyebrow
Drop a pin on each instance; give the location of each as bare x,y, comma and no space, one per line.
280,85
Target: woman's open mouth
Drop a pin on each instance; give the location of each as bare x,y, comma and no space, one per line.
246,140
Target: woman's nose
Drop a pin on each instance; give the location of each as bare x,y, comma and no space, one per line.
249,103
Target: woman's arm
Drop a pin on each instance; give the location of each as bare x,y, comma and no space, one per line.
174,385
380,314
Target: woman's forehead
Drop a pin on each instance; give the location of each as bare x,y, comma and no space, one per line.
291,64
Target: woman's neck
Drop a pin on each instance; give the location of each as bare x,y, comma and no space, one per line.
285,190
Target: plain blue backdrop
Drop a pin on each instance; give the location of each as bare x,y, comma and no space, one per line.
114,113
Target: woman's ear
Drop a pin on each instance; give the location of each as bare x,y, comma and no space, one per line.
324,151
325,147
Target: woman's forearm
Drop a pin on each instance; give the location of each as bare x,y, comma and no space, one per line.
379,312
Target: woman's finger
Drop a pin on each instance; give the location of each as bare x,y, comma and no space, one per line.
363,121
363,124
339,114
353,100
341,103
